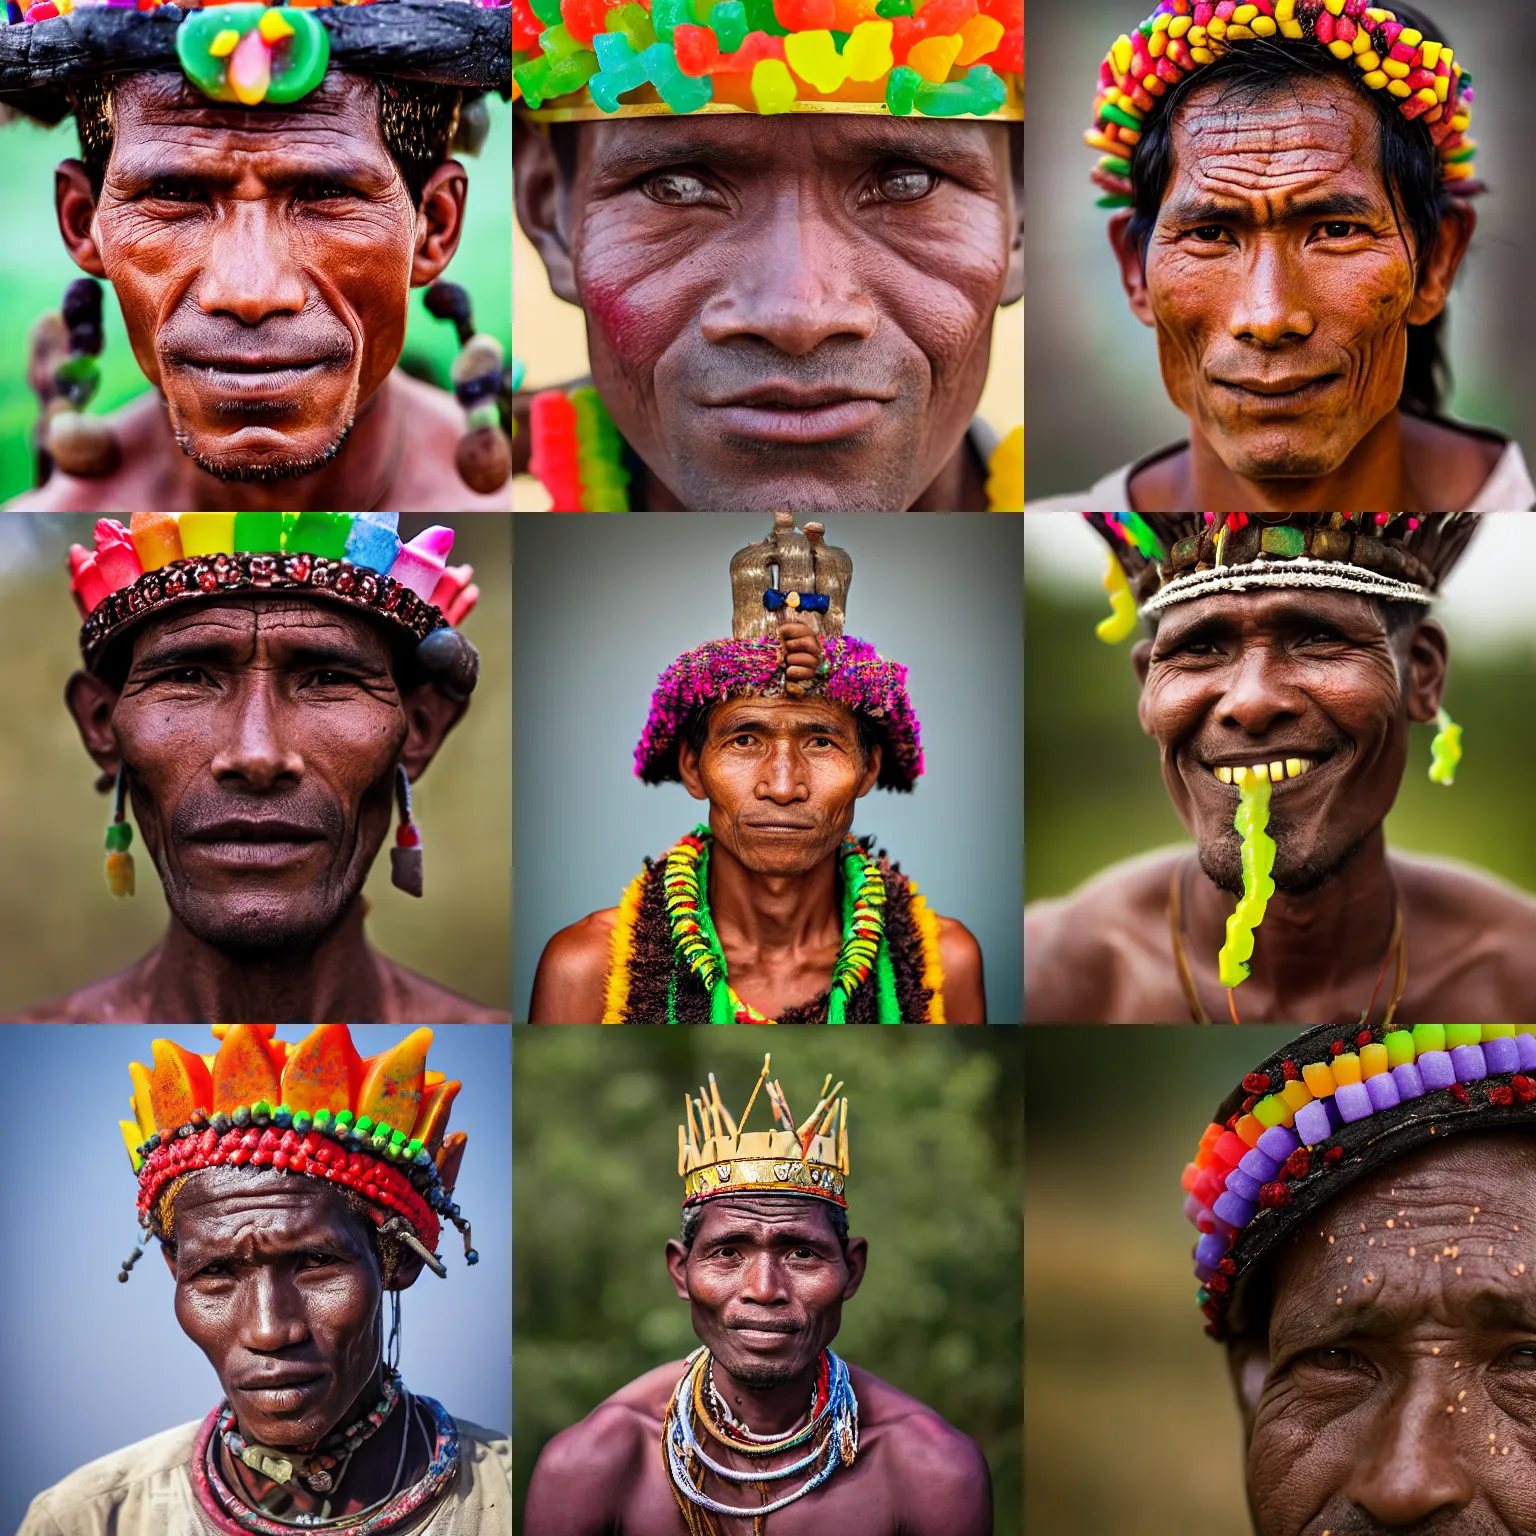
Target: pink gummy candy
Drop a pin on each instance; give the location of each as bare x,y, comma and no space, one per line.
420,564
85,581
117,561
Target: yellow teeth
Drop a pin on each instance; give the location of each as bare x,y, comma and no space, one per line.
1275,772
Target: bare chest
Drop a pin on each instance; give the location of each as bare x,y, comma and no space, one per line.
779,984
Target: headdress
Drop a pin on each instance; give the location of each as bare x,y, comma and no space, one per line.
717,1157
1330,1108
935,58
788,573
1182,36
373,1126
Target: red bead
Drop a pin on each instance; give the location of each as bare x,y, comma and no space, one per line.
407,835
279,1159
1336,1048
1363,1038
1291,1070
1298,1163
1460,1094
1500,1094
1256,1082
1333,1154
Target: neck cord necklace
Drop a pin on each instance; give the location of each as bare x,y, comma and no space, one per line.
728,1420
1397,944
834,1410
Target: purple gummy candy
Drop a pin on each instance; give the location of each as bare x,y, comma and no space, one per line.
1210,1250
1233,1209
1278,1142
1469,1063
1352,1101
1436,1070
1409,1084
1243,1185
1502,1054
1313,1122
1526,1045
1383,1091
1260,1166
1192,1208
1203,1273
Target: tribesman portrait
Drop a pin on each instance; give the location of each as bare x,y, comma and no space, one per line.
265,189
1295,220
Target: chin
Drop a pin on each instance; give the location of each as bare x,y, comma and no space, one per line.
1275,456
256,927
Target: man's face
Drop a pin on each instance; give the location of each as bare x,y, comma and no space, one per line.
1278,278
263,261
261,738
1401,1391
781,776
766,1279
1303,679
278,1285
794,312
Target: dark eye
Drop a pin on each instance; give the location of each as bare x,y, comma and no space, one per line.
905,184
316,1260
1335,1361
1208,232
680,189
1338,229
171,192
328,677
321,191
1522,1358
187,675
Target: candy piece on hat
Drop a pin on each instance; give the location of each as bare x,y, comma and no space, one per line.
181,1082
250,69
814,57
728,21
679,92
420,563
86,583
321,1070
143,1103
1005,469
773,87
157,538
980,93
117,560
634,21
1501,1055
553,458
1409,1084
432,1116
901,90
978,37
761,18
453,581
319,533
244,1071
259,533
932,57
805,15
621,69
392,1084
207,533
530,79
667,15
867,53
374,541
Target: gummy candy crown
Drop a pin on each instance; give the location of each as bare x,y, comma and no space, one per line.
166,558
576,59
1182,36
717,1157
373,1125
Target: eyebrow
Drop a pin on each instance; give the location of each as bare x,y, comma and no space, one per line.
1202,208
779,1237
148,168
1366,1319
798,727
308,653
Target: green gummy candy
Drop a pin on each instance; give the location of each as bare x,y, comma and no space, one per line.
548,11
680,92
258,532
119,836
1115,200
760,18
979,94
363,1124
533,81
840,39
728,21
1462,1034
558,44
1115,165
298,62
667,15
1120,115
901,89
634,21
890,8
78,368
319,533
571,73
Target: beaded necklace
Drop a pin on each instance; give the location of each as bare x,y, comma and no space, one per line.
697,945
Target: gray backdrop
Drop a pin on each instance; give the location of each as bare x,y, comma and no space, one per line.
601,605
90,1365
1095,396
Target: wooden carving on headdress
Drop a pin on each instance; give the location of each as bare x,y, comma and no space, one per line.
771,577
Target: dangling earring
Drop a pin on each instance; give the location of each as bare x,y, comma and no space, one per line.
1446,750
405,856
392,1349
482,385
119,837
79,444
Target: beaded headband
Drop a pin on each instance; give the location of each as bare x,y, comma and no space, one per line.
789,572
249,53
374,1126
931,58
1182,36
163,559
1330,1108
717,1157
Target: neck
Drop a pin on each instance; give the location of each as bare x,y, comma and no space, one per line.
1331,938
764,917
1376,474
360,477
775,1410
338,977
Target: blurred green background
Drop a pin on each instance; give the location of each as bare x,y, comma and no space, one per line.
1130,1424
934,1122
1093,790
59,926
36,271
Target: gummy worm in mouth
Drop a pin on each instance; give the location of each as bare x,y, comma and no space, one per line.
1251,823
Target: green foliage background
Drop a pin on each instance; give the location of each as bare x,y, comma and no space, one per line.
35,271
934,1126
59,926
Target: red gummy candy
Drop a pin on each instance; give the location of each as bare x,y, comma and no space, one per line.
526,27
806,15
584,18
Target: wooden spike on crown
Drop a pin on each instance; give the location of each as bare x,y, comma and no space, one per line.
244,1071
321,1071
181,1082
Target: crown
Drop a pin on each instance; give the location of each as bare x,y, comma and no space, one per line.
374,1125
717,1157
789,569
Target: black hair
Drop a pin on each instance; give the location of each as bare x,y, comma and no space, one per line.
1408,160
693,1219
417,121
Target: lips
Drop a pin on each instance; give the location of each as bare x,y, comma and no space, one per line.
781,412
1278,396
256,830
261,844
1279,769
281,1381
780,826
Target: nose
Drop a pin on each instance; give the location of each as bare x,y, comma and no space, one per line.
1255,696
1271,308
762,1281
1411,1469
254,749
783,781
272,1323
250,272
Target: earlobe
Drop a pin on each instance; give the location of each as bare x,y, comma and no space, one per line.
91,702
1428,666
1133,276
439,222
430,714
537,188
74,202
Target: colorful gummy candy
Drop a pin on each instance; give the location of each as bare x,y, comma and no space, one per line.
577,452
1121,623
1181,36
1005,474
1445,750
252,53
1252,823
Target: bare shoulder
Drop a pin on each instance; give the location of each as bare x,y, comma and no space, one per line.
428,480
1474,925
116,999
138,428
420,1000
965,1000
1441,889
608,1445
570,983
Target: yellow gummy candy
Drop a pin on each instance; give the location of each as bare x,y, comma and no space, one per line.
274,26
1251,824
773,87
867,53
814,57
933,57
979,36
224,43
1120,624
1121,54
1005,474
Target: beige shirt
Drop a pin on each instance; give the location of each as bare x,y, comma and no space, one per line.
146,1490
1507,489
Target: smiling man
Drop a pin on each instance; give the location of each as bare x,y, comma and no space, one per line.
263,694
292,1188
772,911
1293,207
1292,649
263,220
765,1263
1366,1250
786,313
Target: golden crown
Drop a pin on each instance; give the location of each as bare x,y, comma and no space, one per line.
717,1157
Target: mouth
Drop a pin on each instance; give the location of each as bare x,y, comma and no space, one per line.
240,377
262,844
1279,396
782,413
763,1338
286,1394
779,826
1276,771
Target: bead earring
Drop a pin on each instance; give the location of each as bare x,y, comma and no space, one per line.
79,444
405,856
119,837
1446,750
482,385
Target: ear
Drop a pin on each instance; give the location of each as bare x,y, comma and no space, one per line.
1248,1366
1133,277
688,771
439,222
1428,663
871,769
429,715
1439,272
540,192
677,1267
91,701
75,204
857,1258
1013,288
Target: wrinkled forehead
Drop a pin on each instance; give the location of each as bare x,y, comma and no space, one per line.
767,1216
1273,609
222,1204
781,712
247,628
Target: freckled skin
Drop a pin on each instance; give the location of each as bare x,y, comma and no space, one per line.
1396,1389
716,254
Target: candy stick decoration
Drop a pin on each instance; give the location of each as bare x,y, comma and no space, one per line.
1251,823
1446,749
1135,529
577,452
1005,473
119,837
482,387
1122,620
80,445
405,870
